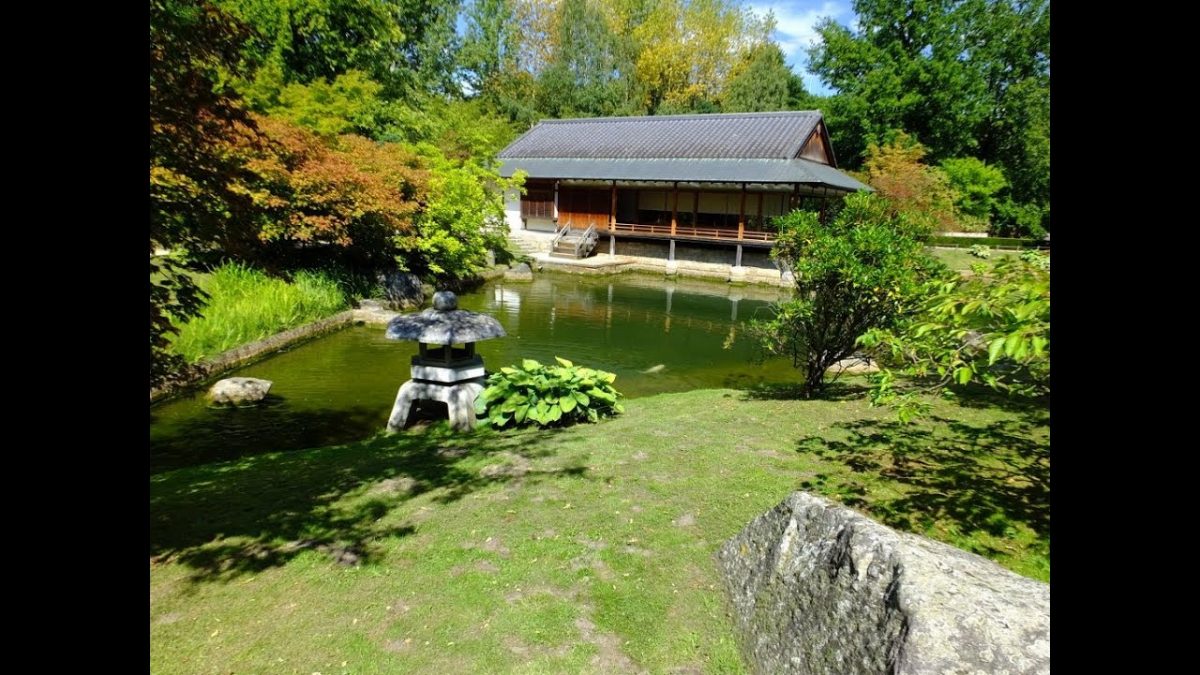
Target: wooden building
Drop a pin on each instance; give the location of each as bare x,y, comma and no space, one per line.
691,178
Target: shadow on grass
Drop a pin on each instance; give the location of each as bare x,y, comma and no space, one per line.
794,391
983,478
242,517
1035,409
222,434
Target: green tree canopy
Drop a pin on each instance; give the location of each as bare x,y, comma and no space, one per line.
589,72
968,78
311,39
761,81
976,184
991,328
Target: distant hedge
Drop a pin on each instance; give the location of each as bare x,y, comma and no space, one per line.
994,242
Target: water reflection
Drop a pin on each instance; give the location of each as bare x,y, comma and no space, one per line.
340,388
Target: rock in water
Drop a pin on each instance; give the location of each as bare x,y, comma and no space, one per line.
818,588
239,391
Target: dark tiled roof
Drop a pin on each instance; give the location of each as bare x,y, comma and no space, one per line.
686,170
770,135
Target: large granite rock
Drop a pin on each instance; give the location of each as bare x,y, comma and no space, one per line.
818,588
854,365
374,311
519,272
239,391
402,290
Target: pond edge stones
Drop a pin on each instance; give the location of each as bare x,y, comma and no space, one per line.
818,588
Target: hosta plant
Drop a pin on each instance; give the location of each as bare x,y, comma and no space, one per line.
547,395
981,251
1037,259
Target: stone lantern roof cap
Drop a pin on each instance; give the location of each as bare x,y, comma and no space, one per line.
444,324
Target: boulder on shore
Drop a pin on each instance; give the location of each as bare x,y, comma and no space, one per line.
402,290
818,588
519,272
854,365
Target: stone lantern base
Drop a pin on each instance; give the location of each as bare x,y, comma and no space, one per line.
457,386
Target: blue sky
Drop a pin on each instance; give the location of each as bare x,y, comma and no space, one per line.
794,30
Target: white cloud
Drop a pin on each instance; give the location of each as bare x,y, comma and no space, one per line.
795,30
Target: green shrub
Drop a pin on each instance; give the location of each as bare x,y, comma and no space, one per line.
548,396
859,271
975,185
981,251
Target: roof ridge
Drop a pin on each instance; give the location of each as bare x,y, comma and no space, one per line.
739,115
670,159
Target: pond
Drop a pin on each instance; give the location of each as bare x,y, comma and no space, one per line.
657,336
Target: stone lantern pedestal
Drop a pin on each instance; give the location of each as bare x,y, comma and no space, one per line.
441,372
438,376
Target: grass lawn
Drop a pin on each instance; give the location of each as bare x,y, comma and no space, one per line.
961,258
589,549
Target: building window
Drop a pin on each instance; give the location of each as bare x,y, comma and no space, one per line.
537,203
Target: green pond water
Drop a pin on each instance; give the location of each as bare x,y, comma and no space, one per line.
657,336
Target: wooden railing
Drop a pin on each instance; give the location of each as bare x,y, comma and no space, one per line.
713,233
558,234
587,241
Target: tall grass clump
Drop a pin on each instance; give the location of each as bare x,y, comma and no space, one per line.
245,305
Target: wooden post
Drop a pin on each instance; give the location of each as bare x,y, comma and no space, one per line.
742,221
824,192
612,246
612,213
674,207
671,254
795,195
738,261
695,209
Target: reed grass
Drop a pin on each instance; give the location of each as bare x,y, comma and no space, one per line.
245,305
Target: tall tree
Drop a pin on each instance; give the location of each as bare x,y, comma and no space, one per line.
309,39
589,73
430,45
799,97
488,47
502,40
760,81
966,77
195,120
687,48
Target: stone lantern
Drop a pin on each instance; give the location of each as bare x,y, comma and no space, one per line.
440,372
